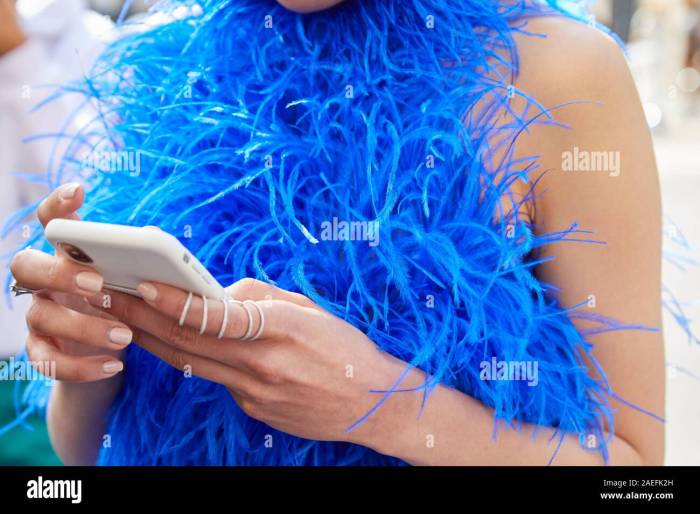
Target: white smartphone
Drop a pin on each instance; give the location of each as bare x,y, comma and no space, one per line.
126,256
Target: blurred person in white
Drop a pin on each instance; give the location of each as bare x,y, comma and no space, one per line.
43,43
665,26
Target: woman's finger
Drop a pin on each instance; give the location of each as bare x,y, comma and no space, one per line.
40,349
244,355
61,203
196,364
251,289
261,318
50,318
39,270
145,319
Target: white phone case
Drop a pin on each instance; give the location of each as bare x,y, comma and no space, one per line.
126,256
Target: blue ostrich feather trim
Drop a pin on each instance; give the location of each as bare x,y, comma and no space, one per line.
244,129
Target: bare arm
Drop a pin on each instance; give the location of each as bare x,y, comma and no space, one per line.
574,63
76,418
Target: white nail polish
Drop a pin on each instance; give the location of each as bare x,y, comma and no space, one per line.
67,191
111,367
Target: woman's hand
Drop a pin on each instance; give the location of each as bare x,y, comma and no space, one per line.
63,327
308,373
85,344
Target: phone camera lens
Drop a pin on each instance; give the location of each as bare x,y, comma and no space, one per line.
76,253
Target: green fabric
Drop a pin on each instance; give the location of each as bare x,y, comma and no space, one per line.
21,446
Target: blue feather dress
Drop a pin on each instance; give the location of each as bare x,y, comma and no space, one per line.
254,126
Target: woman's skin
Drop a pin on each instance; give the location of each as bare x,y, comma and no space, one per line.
295,377
304,6
11,33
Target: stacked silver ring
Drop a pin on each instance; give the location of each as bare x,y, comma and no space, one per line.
248,336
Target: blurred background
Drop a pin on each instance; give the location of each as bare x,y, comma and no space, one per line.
663,41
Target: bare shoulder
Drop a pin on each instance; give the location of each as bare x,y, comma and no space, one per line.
600,173
581,76
564,57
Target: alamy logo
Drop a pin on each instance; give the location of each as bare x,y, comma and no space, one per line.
583,160
510,370
124,161
47,489
11,370
351,231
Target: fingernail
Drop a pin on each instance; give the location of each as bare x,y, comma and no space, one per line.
148,291
97,300
67,191
111,367
120,336
89,281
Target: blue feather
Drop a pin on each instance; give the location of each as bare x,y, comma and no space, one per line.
250,138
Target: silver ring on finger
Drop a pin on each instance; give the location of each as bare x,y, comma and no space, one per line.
224,322
185,309
205,316
249,328
18,290
262,319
